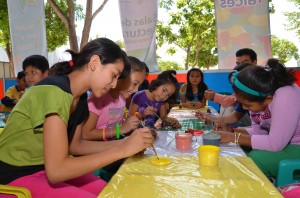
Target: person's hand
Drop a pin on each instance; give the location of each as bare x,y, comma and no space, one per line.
222,127
225,136
202,116
149,111
206,117
209,94
192,105
21,94
6,118
139,140
173,122
198,105
131,123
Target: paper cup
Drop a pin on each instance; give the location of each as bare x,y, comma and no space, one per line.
208,155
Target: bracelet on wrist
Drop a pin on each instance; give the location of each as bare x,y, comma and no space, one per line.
103,134
236,137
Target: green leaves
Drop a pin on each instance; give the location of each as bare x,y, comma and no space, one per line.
283,49
56,31
191,26
169,65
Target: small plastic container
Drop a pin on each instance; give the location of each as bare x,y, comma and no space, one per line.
211,139
183,141
208,155
198,136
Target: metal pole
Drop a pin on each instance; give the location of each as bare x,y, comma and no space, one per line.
3,64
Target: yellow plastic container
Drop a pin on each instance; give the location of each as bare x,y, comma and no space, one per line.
208,155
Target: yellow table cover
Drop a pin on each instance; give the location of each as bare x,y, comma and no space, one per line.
234,177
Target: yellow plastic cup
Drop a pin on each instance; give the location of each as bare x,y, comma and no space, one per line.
208,155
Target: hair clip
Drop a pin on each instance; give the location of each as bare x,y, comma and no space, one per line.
174,75
71,63
267,68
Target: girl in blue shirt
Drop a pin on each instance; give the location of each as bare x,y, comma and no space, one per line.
192,92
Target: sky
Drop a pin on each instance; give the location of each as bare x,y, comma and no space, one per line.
107,24
277,22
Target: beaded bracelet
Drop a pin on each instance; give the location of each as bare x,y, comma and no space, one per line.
236,137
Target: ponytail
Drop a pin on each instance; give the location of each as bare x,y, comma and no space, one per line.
107,50
282,75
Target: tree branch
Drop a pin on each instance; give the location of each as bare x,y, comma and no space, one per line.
59,13
99,9
71,12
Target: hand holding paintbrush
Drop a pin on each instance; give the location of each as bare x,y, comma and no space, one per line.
153,133
218,124
153,111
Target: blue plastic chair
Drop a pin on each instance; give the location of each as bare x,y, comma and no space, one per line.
286,172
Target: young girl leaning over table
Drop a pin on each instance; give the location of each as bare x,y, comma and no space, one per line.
107,112
151,104
272,98
41,147
192,92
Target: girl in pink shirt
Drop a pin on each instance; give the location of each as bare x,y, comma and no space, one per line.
106,112
272,98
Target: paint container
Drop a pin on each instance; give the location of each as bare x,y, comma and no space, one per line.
183,141
198,136
211,139
208,155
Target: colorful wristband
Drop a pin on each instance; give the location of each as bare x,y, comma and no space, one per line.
118,131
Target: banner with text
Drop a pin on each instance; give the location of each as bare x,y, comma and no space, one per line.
242,24
27,30
138,19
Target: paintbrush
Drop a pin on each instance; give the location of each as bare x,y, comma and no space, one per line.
152,135
155,153
220,121
170,142
154,112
